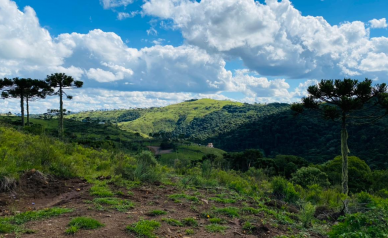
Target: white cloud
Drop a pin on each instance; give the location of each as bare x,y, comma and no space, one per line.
382,23
158,41
115,3
273,38
124,15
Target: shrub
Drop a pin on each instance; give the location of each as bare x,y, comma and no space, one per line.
206,169
359,173
309,175
283,189
306,215
146,169
314,194
382,193
369,224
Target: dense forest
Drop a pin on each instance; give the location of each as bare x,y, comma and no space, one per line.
272,128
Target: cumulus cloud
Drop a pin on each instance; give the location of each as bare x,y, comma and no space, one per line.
273,38
382,23
124,15
106,4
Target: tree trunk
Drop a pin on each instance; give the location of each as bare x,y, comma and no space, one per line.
60,112
28,112
22,108
344,152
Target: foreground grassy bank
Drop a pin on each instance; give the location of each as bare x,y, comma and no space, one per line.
256,200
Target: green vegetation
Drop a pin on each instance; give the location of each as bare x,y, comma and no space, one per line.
144,228
215,228
285,191
82,223
189,222
156,213
172,222
228,211
120,205
11,224
101,191
216,220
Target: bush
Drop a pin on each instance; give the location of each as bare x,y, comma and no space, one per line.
306,215
359,173
369,224
314,194
309,175
206,169
283,189
146,169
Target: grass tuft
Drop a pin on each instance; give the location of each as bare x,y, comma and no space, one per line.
156,213
144,228
190,222
172,222
215,228
83,223
101,191
228,211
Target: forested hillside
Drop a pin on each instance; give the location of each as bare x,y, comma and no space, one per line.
308,136
272,128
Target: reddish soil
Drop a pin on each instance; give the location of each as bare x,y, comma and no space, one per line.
75,194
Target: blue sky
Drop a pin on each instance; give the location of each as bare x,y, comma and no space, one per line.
165,51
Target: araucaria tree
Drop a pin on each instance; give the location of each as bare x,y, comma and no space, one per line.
60,82
348,101
25,89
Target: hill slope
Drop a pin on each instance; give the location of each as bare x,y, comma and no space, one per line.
272,128
155,120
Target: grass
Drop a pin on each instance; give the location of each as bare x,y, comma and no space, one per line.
216,220
189,232
172,222
228,211
120,205
156,213
11,224
82,223
176,197
248,227
215,228
223,200
144,228
24,217
159,119
101,191
190,222
250,210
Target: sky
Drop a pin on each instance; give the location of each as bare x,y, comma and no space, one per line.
145,53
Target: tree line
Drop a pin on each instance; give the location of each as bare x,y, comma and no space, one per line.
27,89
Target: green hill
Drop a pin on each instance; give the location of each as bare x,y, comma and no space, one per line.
156,120
271,128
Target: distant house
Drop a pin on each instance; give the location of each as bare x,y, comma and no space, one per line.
210,145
